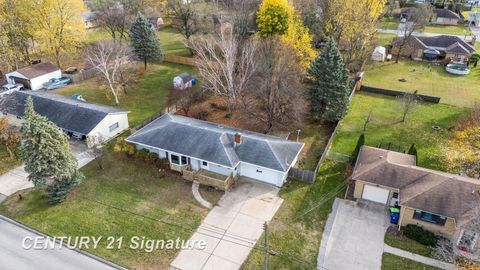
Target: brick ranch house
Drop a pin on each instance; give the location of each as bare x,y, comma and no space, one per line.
434,48
446,204
214,154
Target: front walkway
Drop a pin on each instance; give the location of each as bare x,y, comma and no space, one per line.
353,237
232,228
418,258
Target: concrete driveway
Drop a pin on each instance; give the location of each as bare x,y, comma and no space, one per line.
232,228
353,237
14,257
16,179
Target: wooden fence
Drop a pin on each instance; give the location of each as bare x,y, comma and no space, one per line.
179,60
83,74
302,175
395,93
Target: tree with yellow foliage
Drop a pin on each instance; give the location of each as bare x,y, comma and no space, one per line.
278,17
353,23
59,26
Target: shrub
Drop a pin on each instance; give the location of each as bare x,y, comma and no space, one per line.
420,235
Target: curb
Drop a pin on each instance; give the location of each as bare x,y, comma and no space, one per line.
23,226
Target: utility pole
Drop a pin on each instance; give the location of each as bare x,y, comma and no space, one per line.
265,246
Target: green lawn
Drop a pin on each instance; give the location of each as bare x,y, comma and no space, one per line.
385,127
389,23
460,29
393,262
171,41
315,137
294,237
144,99
125,199
382,39
408,245
428,79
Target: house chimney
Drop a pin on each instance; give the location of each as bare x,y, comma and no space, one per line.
238,139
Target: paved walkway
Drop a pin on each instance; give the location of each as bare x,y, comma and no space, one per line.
423,34
353,237
418,258
198,196
14,257
232,228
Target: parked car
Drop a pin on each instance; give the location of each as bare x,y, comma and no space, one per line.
57,83
9,86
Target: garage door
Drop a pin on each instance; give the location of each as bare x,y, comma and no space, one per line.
261,174
25,82
375,194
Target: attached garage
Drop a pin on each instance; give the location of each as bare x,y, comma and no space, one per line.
375,194
262,174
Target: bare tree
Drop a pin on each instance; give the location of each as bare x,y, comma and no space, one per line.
368,119
408,102
242,13
9,138
278,96
110,59
225,65
417,19
185,17
183,100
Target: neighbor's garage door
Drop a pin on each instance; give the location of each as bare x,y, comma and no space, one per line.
375,194
25,82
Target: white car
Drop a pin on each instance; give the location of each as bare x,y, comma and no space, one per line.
12,87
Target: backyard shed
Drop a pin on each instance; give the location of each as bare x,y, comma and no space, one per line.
183,81
379,54
34,76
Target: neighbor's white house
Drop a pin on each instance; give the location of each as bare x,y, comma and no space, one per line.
34,76
219,149
90,122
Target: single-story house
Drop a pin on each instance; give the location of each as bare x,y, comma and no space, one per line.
183,81
220,149
91,122
89,19
422,48
379,54
156,21
444,203
445,16
34,76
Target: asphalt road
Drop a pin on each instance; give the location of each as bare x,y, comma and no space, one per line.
14,257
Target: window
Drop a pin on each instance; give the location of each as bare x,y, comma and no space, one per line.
113,127
204,163
429,217
175,159
184,160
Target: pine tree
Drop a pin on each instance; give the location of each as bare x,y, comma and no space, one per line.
145,41
46,153
328,80
356,151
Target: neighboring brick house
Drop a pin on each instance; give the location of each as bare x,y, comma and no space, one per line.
445,16
434,48
443,203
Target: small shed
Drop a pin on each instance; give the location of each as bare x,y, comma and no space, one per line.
379,54
34,76
183,81
157,22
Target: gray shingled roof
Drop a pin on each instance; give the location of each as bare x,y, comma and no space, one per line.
453,43
215,143
66,113
445,13
433,191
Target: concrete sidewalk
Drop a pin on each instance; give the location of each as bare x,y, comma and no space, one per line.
418,258
232,228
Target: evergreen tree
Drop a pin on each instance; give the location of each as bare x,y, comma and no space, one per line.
356,151
413,151
46,153
145,41
329,89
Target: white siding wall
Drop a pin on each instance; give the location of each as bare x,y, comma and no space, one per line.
37,83
262,174
102,130
219,169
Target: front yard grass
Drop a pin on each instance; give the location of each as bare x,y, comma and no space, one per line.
125,199
389,23
144,98
459,30
294,236
408,245
393,262
428,79
386,127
